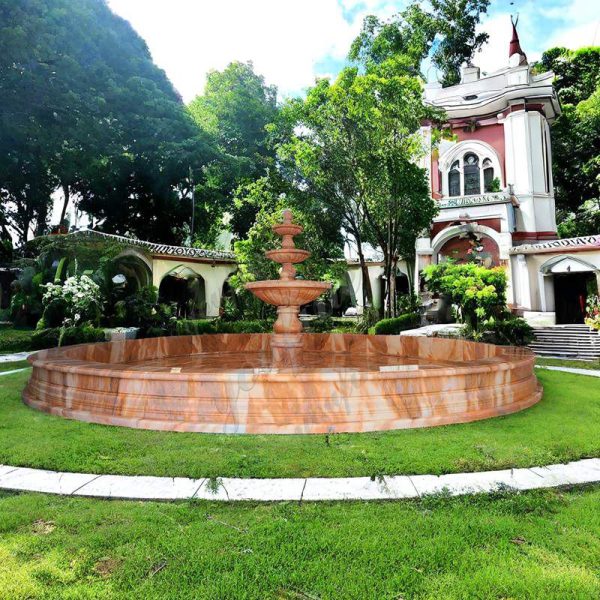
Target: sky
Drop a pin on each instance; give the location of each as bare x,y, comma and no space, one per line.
291,42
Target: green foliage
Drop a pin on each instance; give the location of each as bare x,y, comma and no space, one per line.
477,292
397,324
235,109
102,122
576,138
367,320
78,300
355,144
511,331
45,338
14,340
320,238
26,302
203,326
445,30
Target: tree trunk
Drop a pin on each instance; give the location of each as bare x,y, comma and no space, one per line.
67,194
367,291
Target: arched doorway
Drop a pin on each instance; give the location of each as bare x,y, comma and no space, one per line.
571,281
184,290
471,246
135,269
342,296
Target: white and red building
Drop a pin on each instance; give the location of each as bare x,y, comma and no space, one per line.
493,184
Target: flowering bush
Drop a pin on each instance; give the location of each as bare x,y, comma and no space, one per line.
79,298
476,292
592,317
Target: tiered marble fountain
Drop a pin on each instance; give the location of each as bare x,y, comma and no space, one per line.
288,294
286,382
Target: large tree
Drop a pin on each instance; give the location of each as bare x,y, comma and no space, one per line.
355,144
85,109
576,138
235,108
445,30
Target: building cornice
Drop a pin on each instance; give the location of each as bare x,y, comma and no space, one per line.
587,242
161,250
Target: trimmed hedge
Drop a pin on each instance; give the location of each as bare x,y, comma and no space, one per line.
203,326
49,338
14,340
397,324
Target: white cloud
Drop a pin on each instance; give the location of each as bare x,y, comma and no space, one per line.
284,39
575,24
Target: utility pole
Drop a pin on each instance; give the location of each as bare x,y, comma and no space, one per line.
193,206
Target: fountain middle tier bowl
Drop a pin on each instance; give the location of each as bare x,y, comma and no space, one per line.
295,292
287,255
229,383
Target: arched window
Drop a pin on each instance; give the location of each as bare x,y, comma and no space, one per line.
471,174
488,175
454,180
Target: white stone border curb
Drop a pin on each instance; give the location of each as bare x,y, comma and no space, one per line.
586,471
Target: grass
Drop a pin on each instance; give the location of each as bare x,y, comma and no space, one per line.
542,544
593,365
10,366
562,427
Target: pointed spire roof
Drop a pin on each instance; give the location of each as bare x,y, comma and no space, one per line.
515,45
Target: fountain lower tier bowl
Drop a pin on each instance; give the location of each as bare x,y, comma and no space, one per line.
227,383
295,292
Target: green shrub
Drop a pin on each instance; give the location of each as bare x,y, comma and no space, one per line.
478,293
14,340
204,326
256,326
82,335
194,327
320,324
397,324
52,336
45,338
509,331
368,319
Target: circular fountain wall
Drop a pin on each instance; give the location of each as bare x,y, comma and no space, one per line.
227,383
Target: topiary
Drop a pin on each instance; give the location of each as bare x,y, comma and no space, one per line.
397,324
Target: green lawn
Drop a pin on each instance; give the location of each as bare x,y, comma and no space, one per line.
593,365
532,545
562,427
11,366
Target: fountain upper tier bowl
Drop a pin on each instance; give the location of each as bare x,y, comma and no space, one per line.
229,383
294,292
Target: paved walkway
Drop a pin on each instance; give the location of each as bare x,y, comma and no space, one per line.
590,372
14,357
585,471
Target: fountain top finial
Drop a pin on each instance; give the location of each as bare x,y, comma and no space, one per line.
288,217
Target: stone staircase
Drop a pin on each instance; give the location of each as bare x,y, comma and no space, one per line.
567,341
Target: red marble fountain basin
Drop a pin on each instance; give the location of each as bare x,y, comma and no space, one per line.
295,292
226,383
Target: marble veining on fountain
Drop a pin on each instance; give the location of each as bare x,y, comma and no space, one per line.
286,382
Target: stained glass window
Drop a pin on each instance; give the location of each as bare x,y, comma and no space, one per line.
471,174
454,180
488,175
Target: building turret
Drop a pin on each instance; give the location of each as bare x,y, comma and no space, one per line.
516,56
